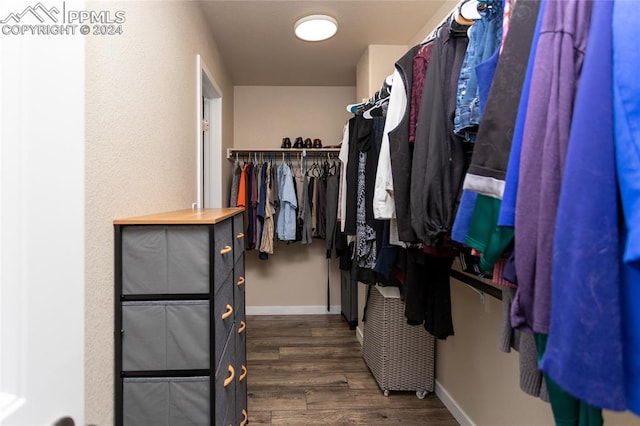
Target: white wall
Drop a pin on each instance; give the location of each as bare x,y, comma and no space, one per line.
141,137
41,227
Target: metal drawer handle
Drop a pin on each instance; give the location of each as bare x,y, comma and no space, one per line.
228,313
226,250
244,374
232,374
240,236
243,326
240,281
246,417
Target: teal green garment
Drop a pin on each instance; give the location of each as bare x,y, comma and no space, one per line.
484,233
567,410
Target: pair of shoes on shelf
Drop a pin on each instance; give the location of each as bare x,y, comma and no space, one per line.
286,143
300,144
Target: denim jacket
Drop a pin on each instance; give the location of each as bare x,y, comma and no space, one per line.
485,36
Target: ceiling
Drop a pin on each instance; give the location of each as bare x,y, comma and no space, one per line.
258,47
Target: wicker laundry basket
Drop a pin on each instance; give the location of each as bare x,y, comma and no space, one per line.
400,356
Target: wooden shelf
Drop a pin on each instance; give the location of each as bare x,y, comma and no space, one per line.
186,216
304,151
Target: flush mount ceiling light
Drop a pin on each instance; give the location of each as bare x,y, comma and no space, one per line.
316,27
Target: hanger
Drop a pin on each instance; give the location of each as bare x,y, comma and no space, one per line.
326,167
384,92
298,171
436,32
467,12
352,108
315,170
375,110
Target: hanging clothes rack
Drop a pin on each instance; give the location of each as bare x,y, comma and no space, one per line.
233,153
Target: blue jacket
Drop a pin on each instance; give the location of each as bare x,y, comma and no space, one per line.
286,225
626,92
584,350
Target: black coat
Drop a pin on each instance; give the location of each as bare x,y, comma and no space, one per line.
439,158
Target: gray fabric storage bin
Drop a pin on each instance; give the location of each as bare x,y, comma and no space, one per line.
144,260
188,259
144,337
238,229
241,385
225,396
223,263
188,335
165,259
190,402
176,401
239,290
165,335
222,298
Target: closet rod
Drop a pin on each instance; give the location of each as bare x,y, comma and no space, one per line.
231,152
476,283
457,8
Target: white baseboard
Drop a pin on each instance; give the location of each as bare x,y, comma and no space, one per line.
292,310
452,406
359,335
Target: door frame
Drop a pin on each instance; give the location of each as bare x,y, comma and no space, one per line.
42,227
209,143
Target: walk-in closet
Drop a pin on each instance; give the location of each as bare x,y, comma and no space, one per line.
425,216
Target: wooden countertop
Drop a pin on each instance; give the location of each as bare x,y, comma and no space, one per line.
187,216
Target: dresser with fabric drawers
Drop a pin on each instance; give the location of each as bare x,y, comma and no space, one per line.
180,345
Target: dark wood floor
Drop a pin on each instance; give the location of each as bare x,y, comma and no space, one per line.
308,370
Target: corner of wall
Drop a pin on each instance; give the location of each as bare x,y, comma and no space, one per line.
433,22
362,76
375,64
456,411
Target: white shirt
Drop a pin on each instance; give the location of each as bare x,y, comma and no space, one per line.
383,202
344,158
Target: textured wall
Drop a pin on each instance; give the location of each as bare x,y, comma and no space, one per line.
263,115
140,149
295,275
375,64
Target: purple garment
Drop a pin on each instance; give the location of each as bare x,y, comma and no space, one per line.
557,67
507,216
584,351
420,64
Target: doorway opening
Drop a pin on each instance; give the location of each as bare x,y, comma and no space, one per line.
209,139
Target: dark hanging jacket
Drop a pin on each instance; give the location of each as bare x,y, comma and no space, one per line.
400,152
360,130
439,157
488,167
